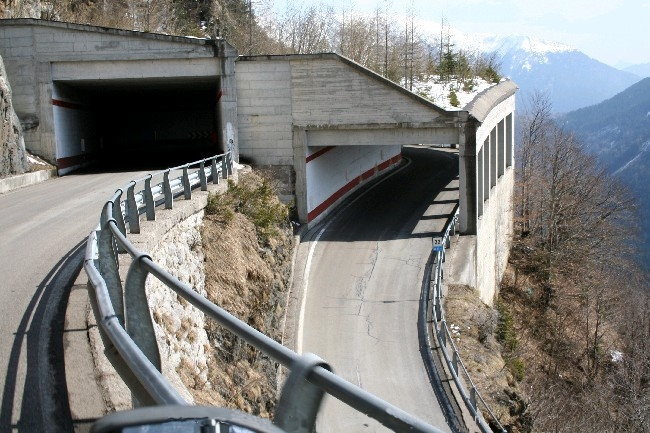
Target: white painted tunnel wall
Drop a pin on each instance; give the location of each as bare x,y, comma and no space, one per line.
75,125
335,172
494,226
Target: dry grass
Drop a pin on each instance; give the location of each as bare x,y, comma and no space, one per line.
247,273
478,326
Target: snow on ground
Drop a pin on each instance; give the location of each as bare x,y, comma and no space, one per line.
438,91
36,161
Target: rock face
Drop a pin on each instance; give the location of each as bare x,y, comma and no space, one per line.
13,158
21,9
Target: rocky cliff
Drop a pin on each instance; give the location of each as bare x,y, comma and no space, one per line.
13,158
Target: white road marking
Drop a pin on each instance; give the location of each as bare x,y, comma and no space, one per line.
312,247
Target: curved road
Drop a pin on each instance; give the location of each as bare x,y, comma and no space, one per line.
41,230
363,291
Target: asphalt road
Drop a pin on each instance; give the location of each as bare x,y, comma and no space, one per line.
364,285
42,228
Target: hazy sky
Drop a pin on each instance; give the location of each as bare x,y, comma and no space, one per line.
616,32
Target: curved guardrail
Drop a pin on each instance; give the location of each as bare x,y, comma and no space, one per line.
125,321
473,400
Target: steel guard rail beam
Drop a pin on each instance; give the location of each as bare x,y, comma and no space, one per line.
125,319
443,335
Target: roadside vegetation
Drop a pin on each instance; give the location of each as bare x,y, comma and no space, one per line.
248,244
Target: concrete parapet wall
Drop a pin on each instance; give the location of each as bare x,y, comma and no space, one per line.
332,92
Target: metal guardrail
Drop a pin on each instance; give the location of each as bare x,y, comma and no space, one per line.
473,400
125,320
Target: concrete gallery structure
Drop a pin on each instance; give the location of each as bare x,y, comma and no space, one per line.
323,122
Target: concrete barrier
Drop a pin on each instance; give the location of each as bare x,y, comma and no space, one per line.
14,182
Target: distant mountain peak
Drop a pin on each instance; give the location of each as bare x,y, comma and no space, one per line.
526,43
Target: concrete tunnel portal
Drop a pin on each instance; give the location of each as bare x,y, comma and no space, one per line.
126,99
136,123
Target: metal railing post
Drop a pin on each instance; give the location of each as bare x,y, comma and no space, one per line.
137,318
215,172
229,163
167,191
300,399
454,362
108,265
202,178
119,217
472,397
187,189
132,209
443,334
224,170
150,206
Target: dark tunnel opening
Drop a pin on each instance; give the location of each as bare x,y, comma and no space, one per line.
143,124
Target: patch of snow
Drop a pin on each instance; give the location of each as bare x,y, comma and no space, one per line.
644,148
437,91
617,355
34,160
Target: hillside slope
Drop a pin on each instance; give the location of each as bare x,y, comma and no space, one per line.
618,132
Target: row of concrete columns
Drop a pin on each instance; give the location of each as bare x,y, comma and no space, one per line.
493,158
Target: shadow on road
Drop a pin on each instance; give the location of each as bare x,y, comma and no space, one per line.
44,406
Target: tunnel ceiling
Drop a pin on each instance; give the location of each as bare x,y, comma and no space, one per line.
153,93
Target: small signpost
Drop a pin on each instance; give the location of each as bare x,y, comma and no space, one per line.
438,245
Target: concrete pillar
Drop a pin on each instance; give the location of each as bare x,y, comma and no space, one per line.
227,105
494,156
467,177
501,140
510,144
300,167
43,92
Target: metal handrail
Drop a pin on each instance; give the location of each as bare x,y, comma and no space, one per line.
125,316
473,397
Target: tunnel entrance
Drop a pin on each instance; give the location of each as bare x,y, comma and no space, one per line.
135,123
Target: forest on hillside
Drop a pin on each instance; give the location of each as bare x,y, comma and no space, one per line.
390,41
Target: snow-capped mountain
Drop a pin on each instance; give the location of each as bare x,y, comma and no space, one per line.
571,78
